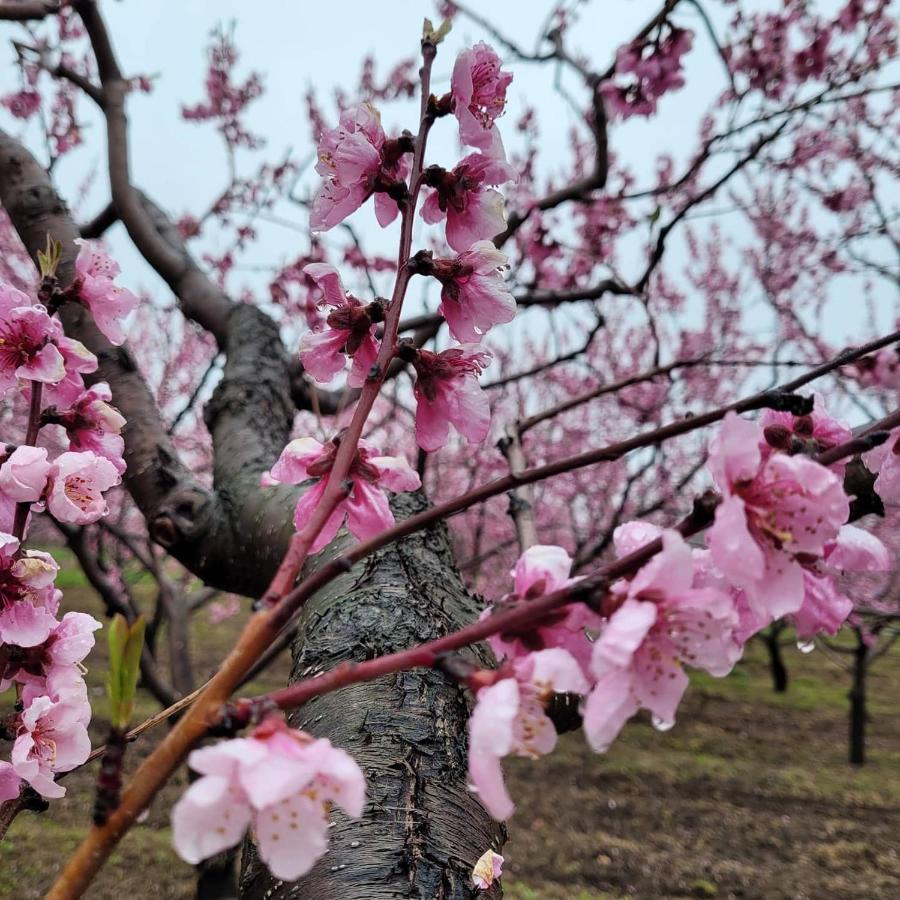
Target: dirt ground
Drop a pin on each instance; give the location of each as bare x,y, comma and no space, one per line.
748,796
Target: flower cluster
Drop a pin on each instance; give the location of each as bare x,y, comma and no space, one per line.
358,161
40,653
778,539
645,70
279,782
365,507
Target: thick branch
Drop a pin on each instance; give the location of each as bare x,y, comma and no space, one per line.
27,10
422,829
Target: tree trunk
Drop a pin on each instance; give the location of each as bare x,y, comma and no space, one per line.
858,703
776,660
422,829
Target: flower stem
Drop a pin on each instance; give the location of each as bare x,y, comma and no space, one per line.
34,426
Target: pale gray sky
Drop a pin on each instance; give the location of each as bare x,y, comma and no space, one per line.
295,44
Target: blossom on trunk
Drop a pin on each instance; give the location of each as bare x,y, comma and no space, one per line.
365,508
478,87
509,718
487,870
348,331
473,211
474,297
357,160
777,514
447,393
544,569
663,623
77,483
94,285
281,783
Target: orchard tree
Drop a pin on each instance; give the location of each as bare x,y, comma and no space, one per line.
661,397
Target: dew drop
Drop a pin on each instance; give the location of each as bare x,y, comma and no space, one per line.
661,724
806,646
354,844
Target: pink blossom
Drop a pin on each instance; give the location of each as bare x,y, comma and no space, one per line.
356,159
51,738
447,392
95,273
22,104
28,600
813,433
632,536
884,461
879,370
509,718
473,211
22,627
774,508
281,783
220,612
77,483
27,350
92,424
23,476
347,332
487,870
478,86
473,296
663,623
39,643
78,361
857,550
365,508
544,569
656,69
10,783
824,607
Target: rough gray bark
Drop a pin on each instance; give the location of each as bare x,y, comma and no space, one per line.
422,830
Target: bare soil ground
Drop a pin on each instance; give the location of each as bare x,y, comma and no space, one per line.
749,796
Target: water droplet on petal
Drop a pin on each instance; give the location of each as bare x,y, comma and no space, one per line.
806,646
661,724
